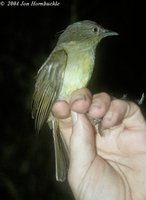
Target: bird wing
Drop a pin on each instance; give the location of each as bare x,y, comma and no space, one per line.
48,83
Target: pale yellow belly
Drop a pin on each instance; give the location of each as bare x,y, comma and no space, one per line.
78,73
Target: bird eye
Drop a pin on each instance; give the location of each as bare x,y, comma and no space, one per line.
94,29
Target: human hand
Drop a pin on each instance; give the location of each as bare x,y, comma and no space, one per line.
111,166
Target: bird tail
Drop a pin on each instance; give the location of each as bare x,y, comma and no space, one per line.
61,152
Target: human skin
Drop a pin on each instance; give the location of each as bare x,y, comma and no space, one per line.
106,162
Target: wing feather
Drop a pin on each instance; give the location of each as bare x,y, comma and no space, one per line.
48,84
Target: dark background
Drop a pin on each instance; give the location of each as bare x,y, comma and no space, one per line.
27,36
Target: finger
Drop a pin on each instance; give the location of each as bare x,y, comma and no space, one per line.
81,100
134,118
82,145
61,109
100,105
115,113
125,112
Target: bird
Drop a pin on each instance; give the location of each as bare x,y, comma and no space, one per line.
69,67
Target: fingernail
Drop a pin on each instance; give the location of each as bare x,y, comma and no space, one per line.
109,116
74,116
79,97
95,107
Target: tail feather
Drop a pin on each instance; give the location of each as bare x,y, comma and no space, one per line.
61,152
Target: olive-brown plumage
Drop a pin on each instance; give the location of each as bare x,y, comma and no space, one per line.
69,67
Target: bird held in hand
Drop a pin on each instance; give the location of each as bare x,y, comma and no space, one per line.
69,67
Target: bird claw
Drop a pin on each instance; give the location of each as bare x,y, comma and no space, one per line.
141,100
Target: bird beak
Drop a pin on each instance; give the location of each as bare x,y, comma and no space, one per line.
106,33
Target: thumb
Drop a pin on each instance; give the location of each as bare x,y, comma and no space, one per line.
82,145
